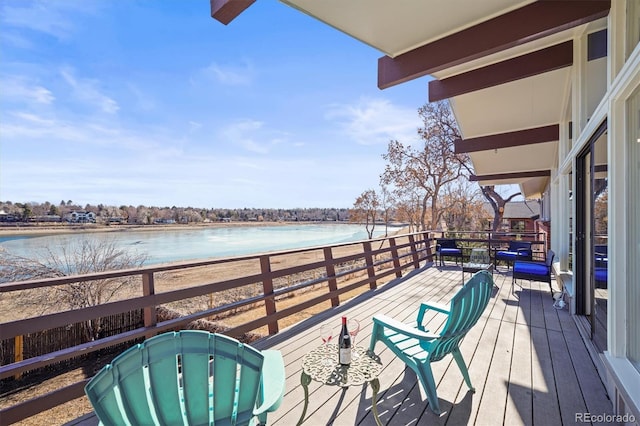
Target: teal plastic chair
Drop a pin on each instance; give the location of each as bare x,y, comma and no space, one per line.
418,348
188,378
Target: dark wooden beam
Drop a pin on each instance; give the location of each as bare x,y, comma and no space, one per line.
531,22
507,176
226,11
541,61
508,140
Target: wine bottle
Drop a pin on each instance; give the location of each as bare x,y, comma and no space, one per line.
344,344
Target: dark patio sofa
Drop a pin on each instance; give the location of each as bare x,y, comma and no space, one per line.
518,250
446,247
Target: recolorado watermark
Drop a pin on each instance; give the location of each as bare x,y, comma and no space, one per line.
604,418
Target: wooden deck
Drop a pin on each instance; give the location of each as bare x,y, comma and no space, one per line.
526,359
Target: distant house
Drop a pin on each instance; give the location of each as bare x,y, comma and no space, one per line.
81,217
6,217
519,216
164,221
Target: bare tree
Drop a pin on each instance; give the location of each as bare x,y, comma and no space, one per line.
497,203
467,208
386,203
83,257
427,171
365,209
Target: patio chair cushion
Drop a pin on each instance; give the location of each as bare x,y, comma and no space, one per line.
535,271
518,250
531,268
450,251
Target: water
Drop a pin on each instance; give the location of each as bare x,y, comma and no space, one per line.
188,244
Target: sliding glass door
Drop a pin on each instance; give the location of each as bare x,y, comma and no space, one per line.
592,237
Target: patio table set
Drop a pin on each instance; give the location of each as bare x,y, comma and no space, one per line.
517,253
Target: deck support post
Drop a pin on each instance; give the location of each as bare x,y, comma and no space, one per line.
331,275
414,251
427,245
368,255
149,289
396,258
267,287
18,352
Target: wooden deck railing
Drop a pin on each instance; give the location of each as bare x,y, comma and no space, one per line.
368,266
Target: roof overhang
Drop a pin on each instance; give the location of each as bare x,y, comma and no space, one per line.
226,11
504,65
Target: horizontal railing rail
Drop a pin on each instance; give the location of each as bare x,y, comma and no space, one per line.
366,266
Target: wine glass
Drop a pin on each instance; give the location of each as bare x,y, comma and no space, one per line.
326,334
354,327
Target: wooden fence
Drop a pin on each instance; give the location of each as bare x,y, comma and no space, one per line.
345,268
59,338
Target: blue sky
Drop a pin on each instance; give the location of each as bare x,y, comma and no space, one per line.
155,103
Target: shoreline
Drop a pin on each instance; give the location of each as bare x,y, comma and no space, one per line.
49,229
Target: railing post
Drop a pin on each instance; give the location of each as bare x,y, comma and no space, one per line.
414,252
369,260
18,352
267,286
148,289
427,245
396,258
331,272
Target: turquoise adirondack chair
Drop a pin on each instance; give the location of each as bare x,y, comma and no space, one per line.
418,348
188,378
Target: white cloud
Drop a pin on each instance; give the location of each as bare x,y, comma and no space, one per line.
252,135
15,40
231,75
375,121
54,18
243,133
143,101
22,127
194,126
18,88
87,90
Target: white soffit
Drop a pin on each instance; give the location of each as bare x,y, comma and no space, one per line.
523,104
396,27
534,187
525,158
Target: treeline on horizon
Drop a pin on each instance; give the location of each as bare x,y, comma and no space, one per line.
48,212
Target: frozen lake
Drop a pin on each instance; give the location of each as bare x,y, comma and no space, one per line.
187,244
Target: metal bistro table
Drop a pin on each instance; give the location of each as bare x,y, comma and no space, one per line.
478,261
365,367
